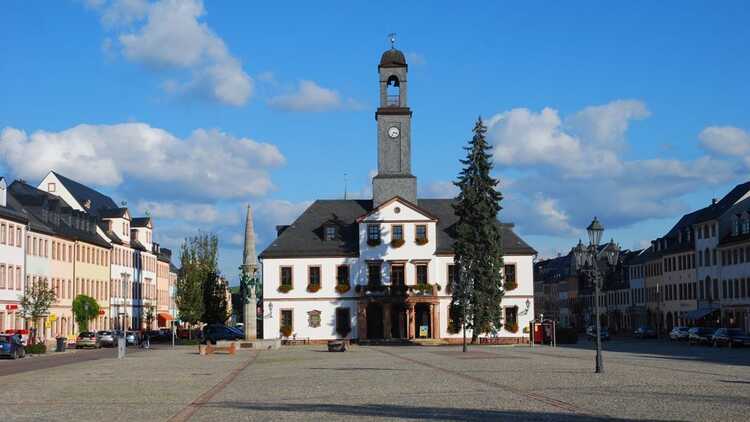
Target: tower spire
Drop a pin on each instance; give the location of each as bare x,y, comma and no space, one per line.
249,261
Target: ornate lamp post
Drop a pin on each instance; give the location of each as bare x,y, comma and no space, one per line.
586,259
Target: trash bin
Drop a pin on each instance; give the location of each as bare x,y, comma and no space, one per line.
61,344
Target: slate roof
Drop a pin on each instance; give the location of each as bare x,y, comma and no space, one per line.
39,207
140,222
305,238
82,193
113,212
714,211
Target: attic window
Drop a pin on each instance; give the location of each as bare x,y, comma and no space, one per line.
330,232
87,204
51,187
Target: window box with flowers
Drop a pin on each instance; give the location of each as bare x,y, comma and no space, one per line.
285,282
343,288
509,273
342,279
313,279
420,237
397,235
373,235
286,331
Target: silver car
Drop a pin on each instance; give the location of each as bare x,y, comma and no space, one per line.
106,338
131,338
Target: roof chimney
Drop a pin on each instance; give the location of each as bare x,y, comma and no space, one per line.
713,201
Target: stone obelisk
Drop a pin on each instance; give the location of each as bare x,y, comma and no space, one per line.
250,267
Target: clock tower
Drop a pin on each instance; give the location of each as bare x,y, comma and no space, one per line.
394,176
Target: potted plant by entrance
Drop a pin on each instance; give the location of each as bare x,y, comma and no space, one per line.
285,331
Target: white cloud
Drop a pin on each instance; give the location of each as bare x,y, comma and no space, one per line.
273,212
566,170
179,210
169,35
607,123
208,163
726,140
440,189
309,97
415,59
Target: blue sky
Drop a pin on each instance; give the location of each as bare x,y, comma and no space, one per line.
632,112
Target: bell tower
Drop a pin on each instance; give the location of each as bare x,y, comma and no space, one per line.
393,118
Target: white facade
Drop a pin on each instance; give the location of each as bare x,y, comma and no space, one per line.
12,272
305,305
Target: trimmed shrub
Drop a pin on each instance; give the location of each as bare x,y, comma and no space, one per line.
36,349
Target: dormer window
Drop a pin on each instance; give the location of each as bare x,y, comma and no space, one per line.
329,232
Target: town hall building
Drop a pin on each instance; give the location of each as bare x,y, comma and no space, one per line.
381,269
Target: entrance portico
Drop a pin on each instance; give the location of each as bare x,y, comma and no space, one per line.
397,317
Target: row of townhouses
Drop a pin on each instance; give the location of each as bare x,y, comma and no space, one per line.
698,273
79,241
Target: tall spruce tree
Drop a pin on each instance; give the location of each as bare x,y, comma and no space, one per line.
478,288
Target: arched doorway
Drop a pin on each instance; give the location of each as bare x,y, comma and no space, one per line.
375,321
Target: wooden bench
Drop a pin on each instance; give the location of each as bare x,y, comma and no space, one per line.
208,349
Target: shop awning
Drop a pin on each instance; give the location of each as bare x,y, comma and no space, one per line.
700,313
164,316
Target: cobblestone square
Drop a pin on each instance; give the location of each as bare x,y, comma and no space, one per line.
644,380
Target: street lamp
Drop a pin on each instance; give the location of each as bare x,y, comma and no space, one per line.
585,254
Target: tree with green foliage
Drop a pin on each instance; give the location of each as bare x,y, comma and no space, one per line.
215,305
35,303
478,288
85,308
199,271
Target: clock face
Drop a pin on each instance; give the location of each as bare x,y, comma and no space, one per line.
393,132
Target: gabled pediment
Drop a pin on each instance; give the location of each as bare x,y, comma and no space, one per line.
397,209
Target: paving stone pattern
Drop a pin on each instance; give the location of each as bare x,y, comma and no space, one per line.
643,381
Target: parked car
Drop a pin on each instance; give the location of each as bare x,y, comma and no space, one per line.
591,333
700,335
11,345
730,337
131,338
106,338
87,339
644,331
217,332
679,333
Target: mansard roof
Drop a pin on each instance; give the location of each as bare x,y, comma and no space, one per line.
83,193
716,210
49,214
305,237
141,222
120,212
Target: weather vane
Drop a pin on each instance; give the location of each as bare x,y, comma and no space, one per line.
392,39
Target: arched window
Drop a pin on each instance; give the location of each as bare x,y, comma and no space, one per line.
393,91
